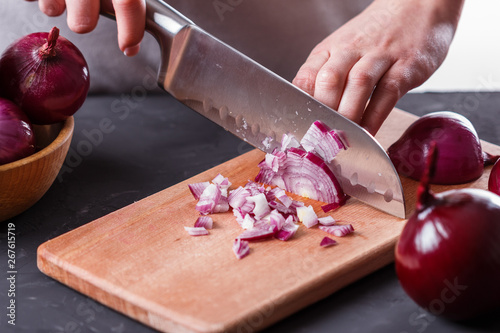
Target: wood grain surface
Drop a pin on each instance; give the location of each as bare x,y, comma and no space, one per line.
140,261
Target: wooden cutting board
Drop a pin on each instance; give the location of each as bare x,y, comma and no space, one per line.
140,261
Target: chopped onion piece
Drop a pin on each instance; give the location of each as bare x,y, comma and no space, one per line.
196,231
238,197
276,220
327,241
261,208
327,220
257,233
197,189
208,199
241,248
320,139
248,222
307,216
222,206
338,230
204,222
289,141
222,181
288,230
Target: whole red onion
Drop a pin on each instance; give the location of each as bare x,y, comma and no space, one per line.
16,134
461,158
448,255
494,180
46,75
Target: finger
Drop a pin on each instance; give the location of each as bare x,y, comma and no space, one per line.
361,82
82,16
331,78
131,22
393,85
52,7
306,76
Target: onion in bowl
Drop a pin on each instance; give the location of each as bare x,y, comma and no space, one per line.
17,139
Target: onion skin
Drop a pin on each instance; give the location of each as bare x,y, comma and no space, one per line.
46,75
494,180
16,133
461,159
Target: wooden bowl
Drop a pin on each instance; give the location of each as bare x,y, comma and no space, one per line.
25,181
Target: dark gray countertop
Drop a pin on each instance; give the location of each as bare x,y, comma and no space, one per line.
156,142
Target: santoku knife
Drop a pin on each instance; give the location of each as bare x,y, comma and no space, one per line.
259,106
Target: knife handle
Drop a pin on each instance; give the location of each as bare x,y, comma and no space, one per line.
163,22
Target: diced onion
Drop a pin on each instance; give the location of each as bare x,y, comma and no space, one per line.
338,230
307,216
327,220
204,222
327,241
241,248
196,231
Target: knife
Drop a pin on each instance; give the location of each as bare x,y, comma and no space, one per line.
259,106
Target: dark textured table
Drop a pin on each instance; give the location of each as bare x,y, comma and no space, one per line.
154,142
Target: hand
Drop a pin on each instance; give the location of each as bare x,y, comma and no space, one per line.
83,15
363,69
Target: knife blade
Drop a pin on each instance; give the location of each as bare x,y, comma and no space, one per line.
259,106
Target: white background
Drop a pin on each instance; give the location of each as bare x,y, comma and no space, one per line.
473,63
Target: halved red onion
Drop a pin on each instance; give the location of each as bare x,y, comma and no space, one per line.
338,230
241,248
196,231
204,222
320,139
461,158
307,216
327,241
305,174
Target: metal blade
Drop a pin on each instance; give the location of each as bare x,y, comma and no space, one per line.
253,103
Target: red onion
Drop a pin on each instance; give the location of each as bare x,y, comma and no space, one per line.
494,180
448,255
16,134
461,158
46,75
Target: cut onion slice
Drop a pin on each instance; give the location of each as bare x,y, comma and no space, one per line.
257,233
327,241
241,248
320,139
208,199
197,189
288,230
204,222
307,216
327,220
196,231
338,230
